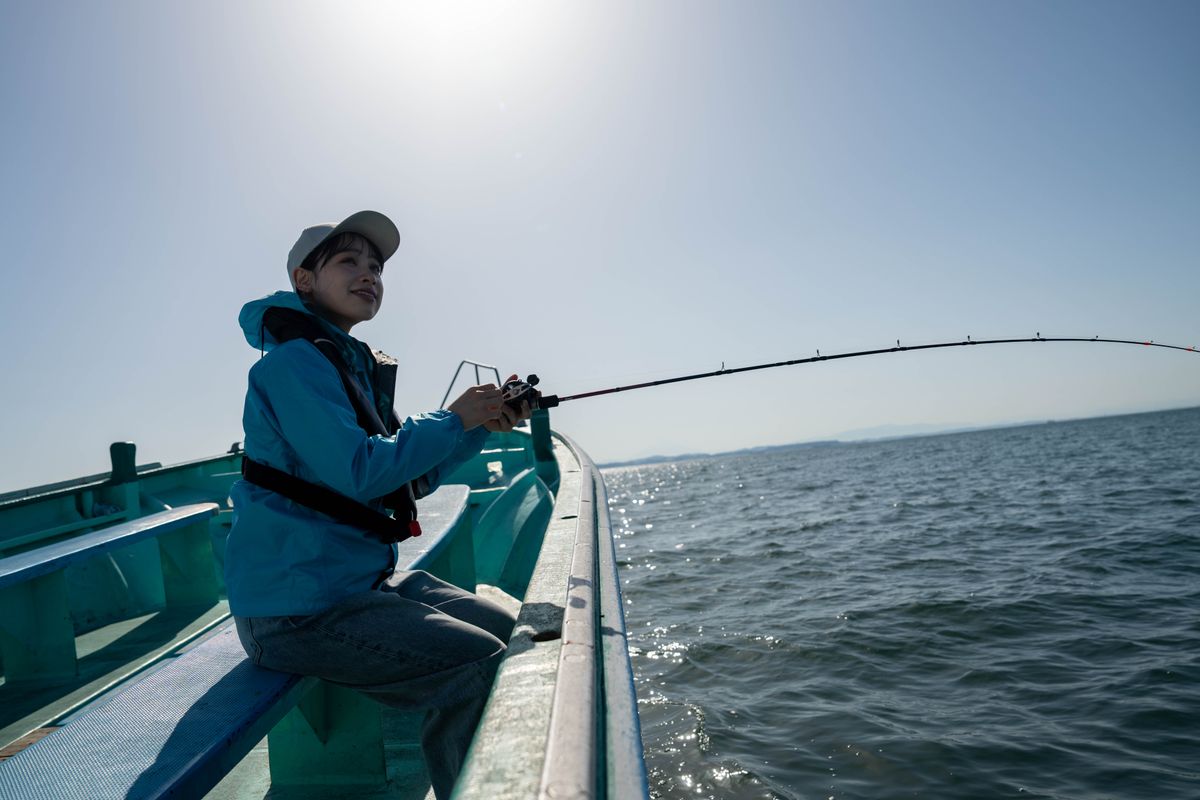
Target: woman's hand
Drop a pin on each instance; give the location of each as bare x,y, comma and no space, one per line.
509,416
478,405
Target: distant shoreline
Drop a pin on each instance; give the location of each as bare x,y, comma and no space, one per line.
857,437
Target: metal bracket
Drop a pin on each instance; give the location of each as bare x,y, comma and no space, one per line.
477,366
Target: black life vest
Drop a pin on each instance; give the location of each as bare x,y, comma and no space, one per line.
286,324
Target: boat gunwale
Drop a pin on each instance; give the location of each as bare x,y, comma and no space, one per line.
53,491
549,729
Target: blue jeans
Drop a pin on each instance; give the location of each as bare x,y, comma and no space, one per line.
415,642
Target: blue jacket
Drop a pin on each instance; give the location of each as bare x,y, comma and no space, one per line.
283,558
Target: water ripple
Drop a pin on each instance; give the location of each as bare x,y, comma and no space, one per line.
1000,613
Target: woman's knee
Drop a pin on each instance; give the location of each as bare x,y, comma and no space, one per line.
481,613
457,640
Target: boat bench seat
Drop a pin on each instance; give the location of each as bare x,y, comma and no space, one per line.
37,638
178,729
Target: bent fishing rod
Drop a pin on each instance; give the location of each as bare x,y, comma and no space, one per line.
517,391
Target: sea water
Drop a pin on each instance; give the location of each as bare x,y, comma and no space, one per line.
1003,613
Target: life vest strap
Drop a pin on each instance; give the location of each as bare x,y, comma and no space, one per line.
286,324
310,495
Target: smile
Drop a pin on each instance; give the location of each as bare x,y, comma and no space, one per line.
369,295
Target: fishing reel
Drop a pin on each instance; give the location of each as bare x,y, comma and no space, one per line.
516,392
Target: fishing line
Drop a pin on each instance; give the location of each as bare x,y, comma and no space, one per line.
524,390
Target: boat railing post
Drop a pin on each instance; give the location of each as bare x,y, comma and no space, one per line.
127,583
122,487
543,449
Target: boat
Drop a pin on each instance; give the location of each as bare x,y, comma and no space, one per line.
125,700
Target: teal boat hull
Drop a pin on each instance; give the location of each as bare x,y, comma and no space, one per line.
562,717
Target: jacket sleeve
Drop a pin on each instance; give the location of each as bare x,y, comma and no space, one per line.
302,392
472,442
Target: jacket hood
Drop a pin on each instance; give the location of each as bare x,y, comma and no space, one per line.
251,319
374,368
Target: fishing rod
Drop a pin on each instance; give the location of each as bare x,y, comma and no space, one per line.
517,391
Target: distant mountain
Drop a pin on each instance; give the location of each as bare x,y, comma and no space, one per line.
637,462
877,433
903,431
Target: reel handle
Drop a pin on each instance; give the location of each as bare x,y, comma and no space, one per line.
515,392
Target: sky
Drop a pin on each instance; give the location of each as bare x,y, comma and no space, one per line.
602,193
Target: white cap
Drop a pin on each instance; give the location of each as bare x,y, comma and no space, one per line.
375,227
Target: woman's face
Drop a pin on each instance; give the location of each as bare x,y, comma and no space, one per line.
347,287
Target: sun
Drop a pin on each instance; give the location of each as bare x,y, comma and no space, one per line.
453,42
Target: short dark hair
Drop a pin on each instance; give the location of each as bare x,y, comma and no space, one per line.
338,244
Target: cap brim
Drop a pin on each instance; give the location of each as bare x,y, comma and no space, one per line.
377,228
